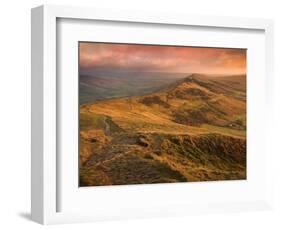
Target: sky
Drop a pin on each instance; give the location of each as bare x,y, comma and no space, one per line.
153,58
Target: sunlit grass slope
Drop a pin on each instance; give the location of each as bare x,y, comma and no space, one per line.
192,130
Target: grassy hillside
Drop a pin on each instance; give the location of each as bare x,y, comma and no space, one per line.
191,130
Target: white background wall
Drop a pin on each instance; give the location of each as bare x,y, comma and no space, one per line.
15,113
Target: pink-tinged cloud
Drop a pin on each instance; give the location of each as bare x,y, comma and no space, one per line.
162,58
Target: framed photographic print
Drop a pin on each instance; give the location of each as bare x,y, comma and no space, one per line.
139,114
161,114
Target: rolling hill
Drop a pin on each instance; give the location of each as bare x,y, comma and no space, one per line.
105,84
193,129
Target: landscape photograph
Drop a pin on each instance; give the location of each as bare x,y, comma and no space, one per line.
161,114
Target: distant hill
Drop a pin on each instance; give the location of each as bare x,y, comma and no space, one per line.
99,85
194,129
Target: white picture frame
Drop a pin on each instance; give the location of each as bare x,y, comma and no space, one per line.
46,183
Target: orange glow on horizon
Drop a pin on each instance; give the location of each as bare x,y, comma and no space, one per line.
156,58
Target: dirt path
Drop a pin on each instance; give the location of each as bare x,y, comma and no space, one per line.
107,127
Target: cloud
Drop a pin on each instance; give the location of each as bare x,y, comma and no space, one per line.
162,58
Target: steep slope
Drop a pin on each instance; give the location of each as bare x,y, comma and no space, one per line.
193,130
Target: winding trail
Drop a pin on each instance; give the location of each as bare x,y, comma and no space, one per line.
107,127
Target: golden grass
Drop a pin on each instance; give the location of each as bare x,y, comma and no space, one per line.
147,143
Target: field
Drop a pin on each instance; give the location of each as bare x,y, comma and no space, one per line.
191,129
